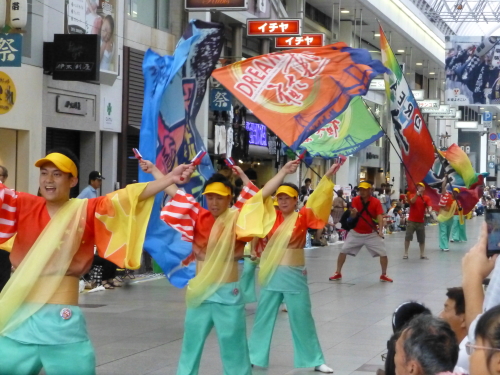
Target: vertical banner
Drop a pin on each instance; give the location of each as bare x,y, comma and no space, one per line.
174,87
95,17
410,130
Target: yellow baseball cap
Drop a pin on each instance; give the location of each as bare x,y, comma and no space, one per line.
365,185
62,162
421,184
217,188
456,189
290,191
275,201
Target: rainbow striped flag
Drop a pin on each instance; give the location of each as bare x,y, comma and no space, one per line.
410,130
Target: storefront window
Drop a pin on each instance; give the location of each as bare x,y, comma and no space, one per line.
153,13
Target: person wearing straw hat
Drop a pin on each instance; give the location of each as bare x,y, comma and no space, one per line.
41,325
283,275
367,230
215,297
419,205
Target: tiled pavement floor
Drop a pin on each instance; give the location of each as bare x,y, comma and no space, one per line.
138,329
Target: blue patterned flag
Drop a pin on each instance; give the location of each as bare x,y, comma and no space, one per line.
174,87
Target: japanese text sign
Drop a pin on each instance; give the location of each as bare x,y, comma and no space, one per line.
11,49
220,99
76,57
216,4
306,40
268,27
8,94
258,134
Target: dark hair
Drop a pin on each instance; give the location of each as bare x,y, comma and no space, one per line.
111,23
293,186
238,182
69,154
251,174
4,171
432,343
340,193
405,312
488,328
307,180
217,177
457,295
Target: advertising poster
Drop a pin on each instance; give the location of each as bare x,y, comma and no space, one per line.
95,17
472,66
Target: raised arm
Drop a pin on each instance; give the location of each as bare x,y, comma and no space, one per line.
179,175
476,266
274,183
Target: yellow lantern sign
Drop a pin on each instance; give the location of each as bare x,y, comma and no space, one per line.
8,94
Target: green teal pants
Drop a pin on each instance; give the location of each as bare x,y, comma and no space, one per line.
458,232
444,233
307,350
247,281
28,359
230,325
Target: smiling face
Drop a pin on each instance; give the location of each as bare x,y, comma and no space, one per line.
286,203
55,185
217,204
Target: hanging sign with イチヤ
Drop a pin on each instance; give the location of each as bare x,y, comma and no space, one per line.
11,49
306,40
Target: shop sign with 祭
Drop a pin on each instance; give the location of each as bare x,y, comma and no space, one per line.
11,49
279,27
7,93
220,99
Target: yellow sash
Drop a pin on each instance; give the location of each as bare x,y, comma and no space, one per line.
276,249
219,260
44,267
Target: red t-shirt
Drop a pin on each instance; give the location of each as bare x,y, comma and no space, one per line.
417,209
372,211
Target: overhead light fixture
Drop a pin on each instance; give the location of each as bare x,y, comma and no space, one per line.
481,108
432,73
401,51
419,63
373,51
240,161
344,11
376,34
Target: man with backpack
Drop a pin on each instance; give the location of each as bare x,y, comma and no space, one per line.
366,222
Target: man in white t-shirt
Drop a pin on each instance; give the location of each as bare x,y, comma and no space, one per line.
454,314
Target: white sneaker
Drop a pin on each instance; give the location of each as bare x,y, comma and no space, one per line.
323,368
446,249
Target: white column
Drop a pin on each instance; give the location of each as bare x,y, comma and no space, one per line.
109,161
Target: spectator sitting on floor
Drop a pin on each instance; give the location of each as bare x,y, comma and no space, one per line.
427,346
454,314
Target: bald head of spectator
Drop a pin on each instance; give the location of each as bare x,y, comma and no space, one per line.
4,173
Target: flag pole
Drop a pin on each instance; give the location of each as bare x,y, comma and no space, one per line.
425,126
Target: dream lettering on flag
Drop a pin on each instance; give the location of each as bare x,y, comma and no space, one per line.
296,92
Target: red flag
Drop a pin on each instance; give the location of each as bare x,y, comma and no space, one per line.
410,129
